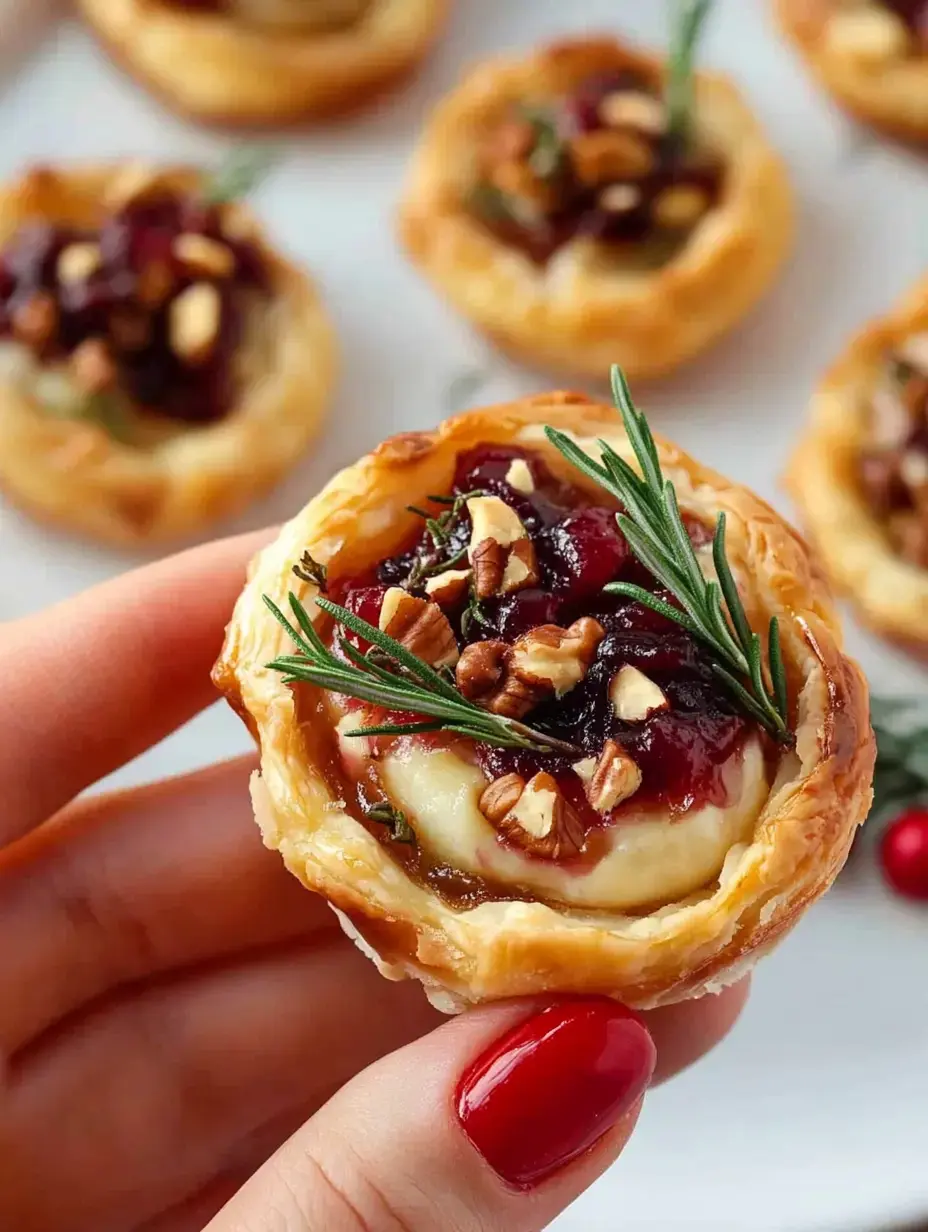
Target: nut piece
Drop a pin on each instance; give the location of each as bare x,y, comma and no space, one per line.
520,477
131,183
193,325
585,769
534,816
449,588
557,658
35,321
615,779
204,256
78,262
680,207
619,198
420,626
481,676
92,366
500,550
871,35
634,696
605,155
632,109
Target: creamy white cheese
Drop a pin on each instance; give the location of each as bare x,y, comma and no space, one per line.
650,859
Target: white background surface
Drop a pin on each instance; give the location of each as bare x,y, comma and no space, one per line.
814,1116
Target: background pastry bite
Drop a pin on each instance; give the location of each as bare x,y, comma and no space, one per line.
860,472
871,55
267,62
645,833
160,364
590,203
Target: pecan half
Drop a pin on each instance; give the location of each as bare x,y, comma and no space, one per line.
420,626
616,778
483,675
501,553
449,588
557,658
534,816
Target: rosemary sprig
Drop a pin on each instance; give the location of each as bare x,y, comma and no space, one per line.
395,680
310,570
393,818
430,563
712,611
901,776
689,17
549,152
239,174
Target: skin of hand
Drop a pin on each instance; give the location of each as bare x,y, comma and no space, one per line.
185,1033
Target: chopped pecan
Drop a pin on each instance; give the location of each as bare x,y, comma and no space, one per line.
204,256
557,658
35,321
193,325
449,588
501,553
78,262
420,626
520,477
483,676
92,366
606,154
534,815
615,778
680,206
633,109
620,198
634,696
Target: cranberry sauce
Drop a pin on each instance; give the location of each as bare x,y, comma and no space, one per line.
625,195
681,751
913,12
119,295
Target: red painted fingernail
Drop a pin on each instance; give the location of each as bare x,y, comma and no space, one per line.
551,1087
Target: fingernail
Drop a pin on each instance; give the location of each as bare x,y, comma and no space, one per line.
550,1088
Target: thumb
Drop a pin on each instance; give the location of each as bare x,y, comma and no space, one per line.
497,1120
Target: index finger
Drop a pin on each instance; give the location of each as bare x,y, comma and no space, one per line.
89,684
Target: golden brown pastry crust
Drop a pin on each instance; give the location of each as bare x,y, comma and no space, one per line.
74,473
892,96
890,593
580,313
499,949
220,70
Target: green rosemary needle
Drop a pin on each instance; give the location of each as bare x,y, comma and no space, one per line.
901,776
689,17
712,611
391,677
239,174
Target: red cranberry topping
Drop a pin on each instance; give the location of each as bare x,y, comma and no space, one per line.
913,12
682,752
125,301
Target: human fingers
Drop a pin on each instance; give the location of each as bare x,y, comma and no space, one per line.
493,1123
89,684
687,1031
171,1084
138,883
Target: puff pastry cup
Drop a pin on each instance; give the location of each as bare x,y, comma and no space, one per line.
261,63
871,56
860,472
673,271
670,919
155,373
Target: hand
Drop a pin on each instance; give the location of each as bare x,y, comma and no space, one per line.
173,1005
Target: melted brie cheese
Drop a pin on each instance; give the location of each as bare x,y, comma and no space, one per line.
654,858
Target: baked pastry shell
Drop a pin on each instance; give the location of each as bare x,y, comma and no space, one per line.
502,949
892,97
584,311
220,70
76,474
890,594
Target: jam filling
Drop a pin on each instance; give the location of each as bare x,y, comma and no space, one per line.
146,311
893,466
913,12
682,750
599,164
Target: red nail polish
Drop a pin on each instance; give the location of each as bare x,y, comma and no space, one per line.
551,1087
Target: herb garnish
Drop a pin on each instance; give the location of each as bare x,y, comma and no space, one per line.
239,174
688,22
901,776
429,563
395,680
310,570
654,529
393,818
548,152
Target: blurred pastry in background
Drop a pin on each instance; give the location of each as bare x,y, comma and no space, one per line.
871,55
160,365
860,473
592,203
267,62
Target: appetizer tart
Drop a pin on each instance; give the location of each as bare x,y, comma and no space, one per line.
160,364
521,745
860,473
591,202
871,55
267,62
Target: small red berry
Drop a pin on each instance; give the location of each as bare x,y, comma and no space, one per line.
904,854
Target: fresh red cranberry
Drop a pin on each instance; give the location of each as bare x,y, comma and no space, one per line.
365,602
509,618
904,854
583,552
